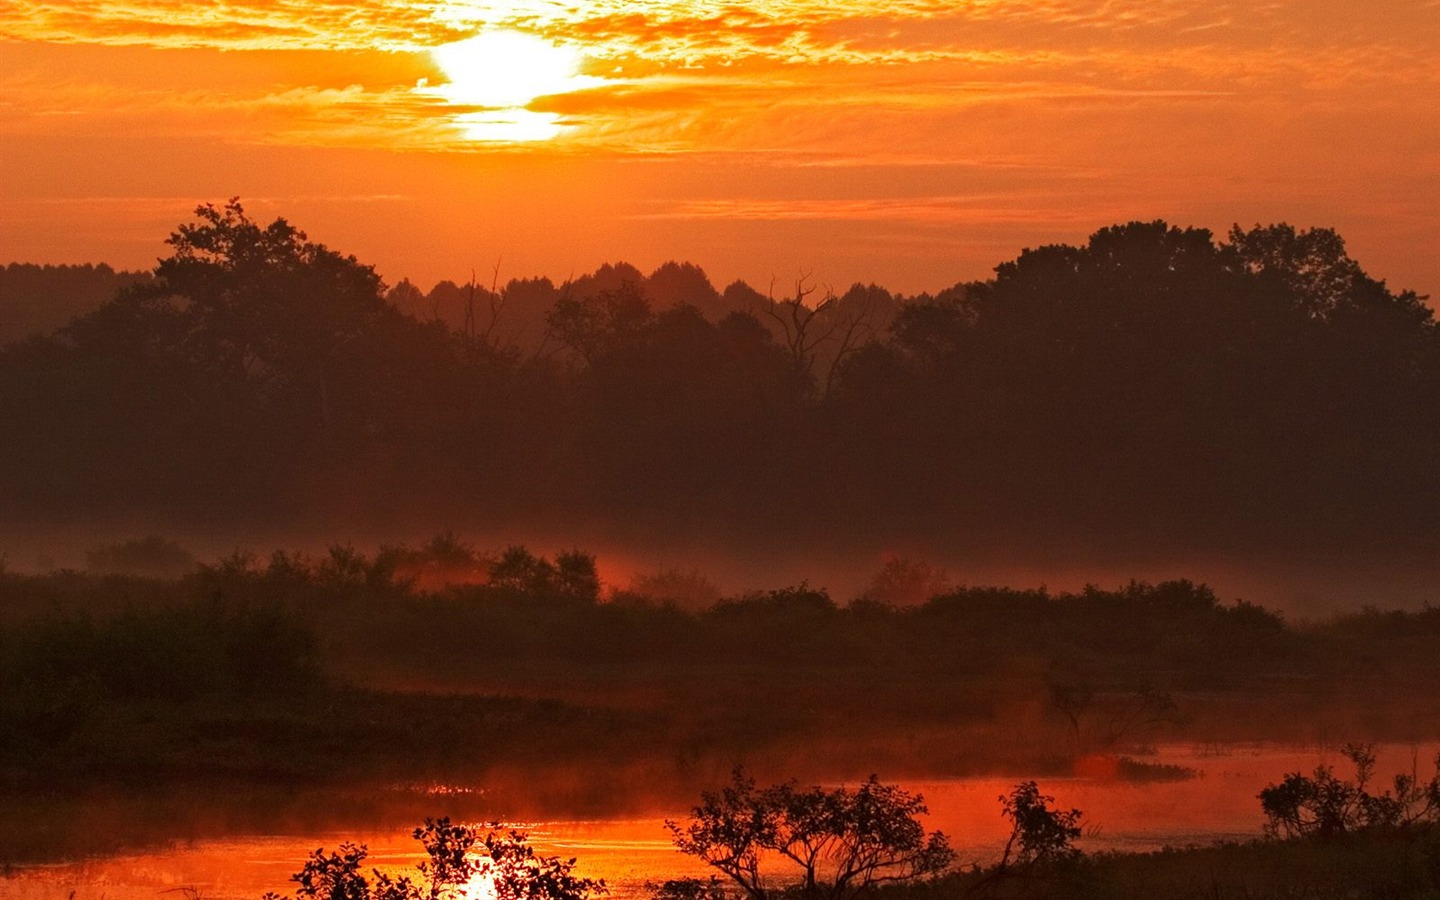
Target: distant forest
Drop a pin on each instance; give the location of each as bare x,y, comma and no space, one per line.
1154,385
37,300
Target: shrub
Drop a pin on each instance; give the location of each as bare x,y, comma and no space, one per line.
860,838
457,856
572,576
1039,835
1323,806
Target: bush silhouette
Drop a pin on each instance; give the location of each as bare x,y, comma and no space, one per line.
843,841
1324,807
457,857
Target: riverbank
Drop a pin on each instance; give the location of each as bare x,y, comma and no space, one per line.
1395,866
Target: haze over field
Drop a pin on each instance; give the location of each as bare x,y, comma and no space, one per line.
1156,401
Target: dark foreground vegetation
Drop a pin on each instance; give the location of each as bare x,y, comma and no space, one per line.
1153,388
456,857
785,842
1398,866
1330,837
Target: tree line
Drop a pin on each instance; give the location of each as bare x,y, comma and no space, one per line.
1155,384
40,300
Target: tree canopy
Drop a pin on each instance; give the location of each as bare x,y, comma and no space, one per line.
843,842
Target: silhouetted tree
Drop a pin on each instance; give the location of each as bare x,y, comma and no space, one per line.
456,857
858,838
1325,807
576,577
520,570
1151,385
1039,834
821,335
572,576
594,323
684,284
267,304
411,301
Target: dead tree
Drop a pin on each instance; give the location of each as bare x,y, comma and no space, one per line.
806,329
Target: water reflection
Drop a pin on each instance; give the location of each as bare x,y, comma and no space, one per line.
626,852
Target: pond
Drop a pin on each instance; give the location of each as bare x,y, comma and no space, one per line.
1218,804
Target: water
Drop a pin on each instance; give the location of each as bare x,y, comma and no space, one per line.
1219,804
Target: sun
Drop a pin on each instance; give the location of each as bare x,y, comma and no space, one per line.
502,73
481,886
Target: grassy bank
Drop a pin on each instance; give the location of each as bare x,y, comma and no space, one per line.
1399,866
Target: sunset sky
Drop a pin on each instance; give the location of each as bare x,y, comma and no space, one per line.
914,143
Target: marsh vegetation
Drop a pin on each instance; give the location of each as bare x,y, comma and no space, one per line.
313,685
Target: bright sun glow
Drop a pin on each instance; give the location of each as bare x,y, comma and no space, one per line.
516,125
504,72
481,886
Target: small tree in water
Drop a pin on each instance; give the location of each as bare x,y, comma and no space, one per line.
843,841
458,856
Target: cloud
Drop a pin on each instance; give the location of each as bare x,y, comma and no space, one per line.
706,75
349,115
933,210
241,25
707,32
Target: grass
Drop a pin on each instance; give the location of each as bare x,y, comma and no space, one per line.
1401,865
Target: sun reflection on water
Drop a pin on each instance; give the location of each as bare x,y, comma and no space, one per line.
481,886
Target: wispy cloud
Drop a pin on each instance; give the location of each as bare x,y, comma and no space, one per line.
941,210
702,74
707,32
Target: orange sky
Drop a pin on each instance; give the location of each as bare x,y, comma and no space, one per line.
914,143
